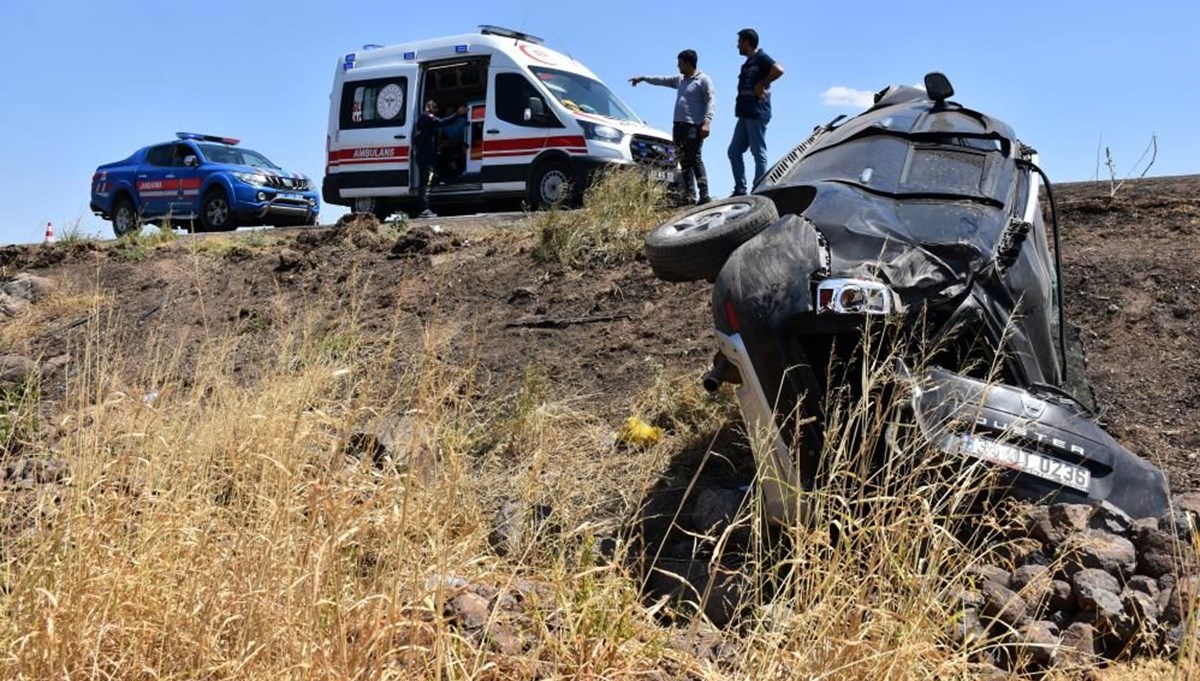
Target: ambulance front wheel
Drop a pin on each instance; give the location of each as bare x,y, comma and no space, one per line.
550,185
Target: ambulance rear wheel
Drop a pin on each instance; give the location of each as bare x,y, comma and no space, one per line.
216,215
382,210
550,185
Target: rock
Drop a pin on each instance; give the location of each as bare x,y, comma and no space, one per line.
1037,643
517,523
1032,582
397,439
1145,585
467,611
1100,550
1177,602
1070,518
1078,644
716,508
1036,523
1109,520
1141,608
422,240
1171,640
1086,584
969,599
14,368
27,288
1061,596
1002,604
1155,549
1189,503
11,307
289,260
990,573
967,628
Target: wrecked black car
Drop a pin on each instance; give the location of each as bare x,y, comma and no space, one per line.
929,214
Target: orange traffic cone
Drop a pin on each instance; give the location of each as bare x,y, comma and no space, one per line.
49,232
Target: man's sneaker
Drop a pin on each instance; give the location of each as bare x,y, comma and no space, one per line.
738,192
427,214
703,200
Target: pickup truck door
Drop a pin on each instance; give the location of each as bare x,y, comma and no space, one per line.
186,203
156,183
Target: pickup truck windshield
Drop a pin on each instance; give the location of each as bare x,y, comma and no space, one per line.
220,153
583,94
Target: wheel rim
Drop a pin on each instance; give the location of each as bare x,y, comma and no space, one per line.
364,205
123,220
553,186
217,212
712,218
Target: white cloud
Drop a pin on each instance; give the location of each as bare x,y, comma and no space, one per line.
840,95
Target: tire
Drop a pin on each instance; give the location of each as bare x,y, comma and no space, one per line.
382,210
695,245
216,215
124,216
549,185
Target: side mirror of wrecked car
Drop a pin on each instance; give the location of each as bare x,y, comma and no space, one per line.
938,86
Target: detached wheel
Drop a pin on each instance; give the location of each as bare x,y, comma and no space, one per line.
550,184
124,216
695,245
216,215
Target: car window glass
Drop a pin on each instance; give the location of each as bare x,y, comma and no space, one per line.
160,155
378,103
182,151
513,92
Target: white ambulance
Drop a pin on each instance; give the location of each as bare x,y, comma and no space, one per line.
537,121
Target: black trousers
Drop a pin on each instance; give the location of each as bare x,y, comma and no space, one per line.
688,145
426,168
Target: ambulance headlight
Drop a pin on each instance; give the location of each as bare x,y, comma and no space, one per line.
252,179
601,132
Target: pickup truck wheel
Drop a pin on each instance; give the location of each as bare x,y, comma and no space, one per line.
695,245
124,216
216,215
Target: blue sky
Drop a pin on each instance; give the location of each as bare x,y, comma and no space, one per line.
88,82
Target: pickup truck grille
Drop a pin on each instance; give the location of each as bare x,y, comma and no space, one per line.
652,151
280,182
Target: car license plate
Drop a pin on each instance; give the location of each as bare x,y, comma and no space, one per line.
1033,463
662,175
297,197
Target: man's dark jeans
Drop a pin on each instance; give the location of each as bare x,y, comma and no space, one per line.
424,166
688,143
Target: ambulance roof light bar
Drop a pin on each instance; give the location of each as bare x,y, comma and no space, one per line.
488,29
207,138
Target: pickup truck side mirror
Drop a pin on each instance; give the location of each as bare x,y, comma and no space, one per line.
191,161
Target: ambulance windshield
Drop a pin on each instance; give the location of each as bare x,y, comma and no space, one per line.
582,94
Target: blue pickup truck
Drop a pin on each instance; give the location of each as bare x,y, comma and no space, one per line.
203,181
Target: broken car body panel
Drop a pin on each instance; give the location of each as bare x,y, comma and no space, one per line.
920,210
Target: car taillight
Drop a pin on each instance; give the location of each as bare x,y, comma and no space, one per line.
731,316
855,296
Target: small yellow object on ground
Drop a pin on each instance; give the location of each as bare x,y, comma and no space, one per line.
638,432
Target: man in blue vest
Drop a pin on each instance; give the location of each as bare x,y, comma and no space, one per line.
426,151
753,109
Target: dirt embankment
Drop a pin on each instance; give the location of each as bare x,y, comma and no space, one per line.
1130,282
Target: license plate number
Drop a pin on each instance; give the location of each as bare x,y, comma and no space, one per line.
1033,463
298,197
662,175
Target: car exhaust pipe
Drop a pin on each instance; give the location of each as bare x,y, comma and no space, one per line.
720,372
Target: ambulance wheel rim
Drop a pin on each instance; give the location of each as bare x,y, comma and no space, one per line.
553,185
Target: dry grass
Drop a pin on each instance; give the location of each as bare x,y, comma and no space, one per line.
67,303
618,210
217,530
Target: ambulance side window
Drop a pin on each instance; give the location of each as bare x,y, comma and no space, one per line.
513,92
377,103
160,155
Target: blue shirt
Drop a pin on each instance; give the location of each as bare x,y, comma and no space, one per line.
754,71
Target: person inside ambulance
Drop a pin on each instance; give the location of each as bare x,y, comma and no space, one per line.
452,147
426,143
